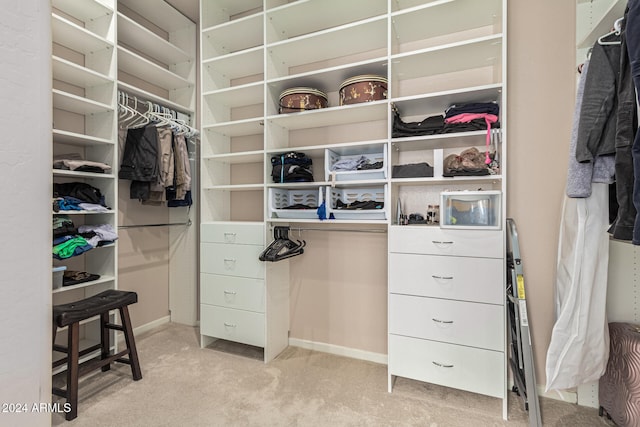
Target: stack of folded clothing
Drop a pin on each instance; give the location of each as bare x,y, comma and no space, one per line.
75,162
69,241
470,117
77,196
292,167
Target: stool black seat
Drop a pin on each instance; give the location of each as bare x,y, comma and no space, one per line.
70,315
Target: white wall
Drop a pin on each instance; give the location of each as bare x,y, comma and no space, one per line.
25,222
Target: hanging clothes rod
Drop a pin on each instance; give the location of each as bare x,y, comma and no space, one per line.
350,230
168,224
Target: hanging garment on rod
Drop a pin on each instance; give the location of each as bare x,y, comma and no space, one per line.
156,155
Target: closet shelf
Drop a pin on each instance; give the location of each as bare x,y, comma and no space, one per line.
148,96
78,139
221,12
77,104
435,19
332,116
449,58
101,280
233,36
136,65
443,180
237,96
340,42
140,38
74,174
236,158
327,222
438,102
226,68
162,14
77,75
445,140
88,10
328,79
237,128
77,38
343,148
232,187
286,21
110,212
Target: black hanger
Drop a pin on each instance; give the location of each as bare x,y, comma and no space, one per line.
282,247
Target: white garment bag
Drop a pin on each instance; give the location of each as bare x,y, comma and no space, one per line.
579,347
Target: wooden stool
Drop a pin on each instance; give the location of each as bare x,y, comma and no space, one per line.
71,315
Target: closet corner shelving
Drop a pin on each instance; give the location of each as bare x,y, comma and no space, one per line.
84,122
433,54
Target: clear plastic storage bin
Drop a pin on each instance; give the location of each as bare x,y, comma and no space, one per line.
332,158
351,195
282,199
58,273
470,209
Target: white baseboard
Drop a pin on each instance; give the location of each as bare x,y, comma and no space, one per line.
339,350
151,325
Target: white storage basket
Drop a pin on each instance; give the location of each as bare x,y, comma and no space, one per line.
331,158
282,198
360,194
471,209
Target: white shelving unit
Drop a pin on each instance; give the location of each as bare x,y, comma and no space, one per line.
84,122
433,53
157,54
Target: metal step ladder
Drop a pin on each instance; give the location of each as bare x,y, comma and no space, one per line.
520,349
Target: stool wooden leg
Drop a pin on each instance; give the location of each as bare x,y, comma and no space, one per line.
104,339
131,343
72,369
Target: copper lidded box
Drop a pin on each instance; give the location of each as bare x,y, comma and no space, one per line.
364,88
302,99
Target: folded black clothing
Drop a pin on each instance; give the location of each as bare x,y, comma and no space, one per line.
291,158
473,107
363,205
476,124
301,206
291,173
429,126
466,172
71,277
413,170
369,166
79,190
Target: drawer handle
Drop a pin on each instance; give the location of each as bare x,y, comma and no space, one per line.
229,263
229,292
229,237
442,365
440,242
229,325
446,322
442,277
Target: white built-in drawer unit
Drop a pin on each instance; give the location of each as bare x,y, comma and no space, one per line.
232,285
451,365
446,307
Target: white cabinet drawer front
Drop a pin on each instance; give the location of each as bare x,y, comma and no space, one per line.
230,324
231,260
465,368
438,241
233,292
457,322
233,233
460,278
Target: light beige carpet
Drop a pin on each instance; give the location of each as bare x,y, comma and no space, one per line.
229,385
